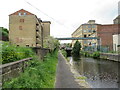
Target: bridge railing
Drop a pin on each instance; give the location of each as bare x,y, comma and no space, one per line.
78,38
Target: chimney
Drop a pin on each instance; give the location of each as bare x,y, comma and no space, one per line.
91,22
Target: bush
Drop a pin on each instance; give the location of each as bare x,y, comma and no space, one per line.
96,55
11,53
88,54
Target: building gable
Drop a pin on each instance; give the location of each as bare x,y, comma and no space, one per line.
21,12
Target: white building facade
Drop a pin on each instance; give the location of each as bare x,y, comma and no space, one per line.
116,42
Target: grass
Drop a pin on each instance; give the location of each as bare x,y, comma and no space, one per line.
38,75
82,78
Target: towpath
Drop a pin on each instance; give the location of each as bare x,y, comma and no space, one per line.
64,77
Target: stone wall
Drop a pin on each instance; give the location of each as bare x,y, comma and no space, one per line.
13,69
109,56
41,52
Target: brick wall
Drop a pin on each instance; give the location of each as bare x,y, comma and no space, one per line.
105,32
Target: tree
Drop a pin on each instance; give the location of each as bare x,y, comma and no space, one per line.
51,43
76,49
4,34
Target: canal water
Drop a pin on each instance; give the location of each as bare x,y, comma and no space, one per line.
100,73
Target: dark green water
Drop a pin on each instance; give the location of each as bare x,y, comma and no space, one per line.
99,73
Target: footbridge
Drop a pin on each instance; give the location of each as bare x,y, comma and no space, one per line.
78,38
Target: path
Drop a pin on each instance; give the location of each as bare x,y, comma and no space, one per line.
64,78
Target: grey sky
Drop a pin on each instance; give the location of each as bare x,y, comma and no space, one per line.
68,15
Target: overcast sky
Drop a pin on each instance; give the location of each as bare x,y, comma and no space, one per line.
65,15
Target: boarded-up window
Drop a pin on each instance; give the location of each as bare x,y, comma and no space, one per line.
20,27
21,20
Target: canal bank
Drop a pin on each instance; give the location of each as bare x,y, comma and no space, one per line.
110,56
101,55
67,77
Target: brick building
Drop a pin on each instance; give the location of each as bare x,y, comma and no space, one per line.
25,29
106,32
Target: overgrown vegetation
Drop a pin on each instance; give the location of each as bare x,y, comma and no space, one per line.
88,54
11,53
76,49
38,75
64,53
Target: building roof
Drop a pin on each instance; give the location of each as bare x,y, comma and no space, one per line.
22,11
118,17
46,22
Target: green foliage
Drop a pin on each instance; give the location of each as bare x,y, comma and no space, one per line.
51,43
88,54
12,53
38,75
68,45
76,49
4,32
64,53
96,54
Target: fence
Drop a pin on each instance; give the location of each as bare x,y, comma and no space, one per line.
13,69
104,49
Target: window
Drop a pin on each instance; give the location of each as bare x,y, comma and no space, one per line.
37,24
84,26
84,30
24,13
94,31
89,26
90,43
90,31
20,14
37,37
93,26
27,45
17,45
21,20
85,35
20,27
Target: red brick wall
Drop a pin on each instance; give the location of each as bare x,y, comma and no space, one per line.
105,32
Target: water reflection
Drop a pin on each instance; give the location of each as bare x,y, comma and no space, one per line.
100,73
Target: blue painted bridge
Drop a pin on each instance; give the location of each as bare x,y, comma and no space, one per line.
78,38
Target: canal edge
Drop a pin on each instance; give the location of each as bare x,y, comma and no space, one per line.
82,83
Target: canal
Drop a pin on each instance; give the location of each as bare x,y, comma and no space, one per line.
100,73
